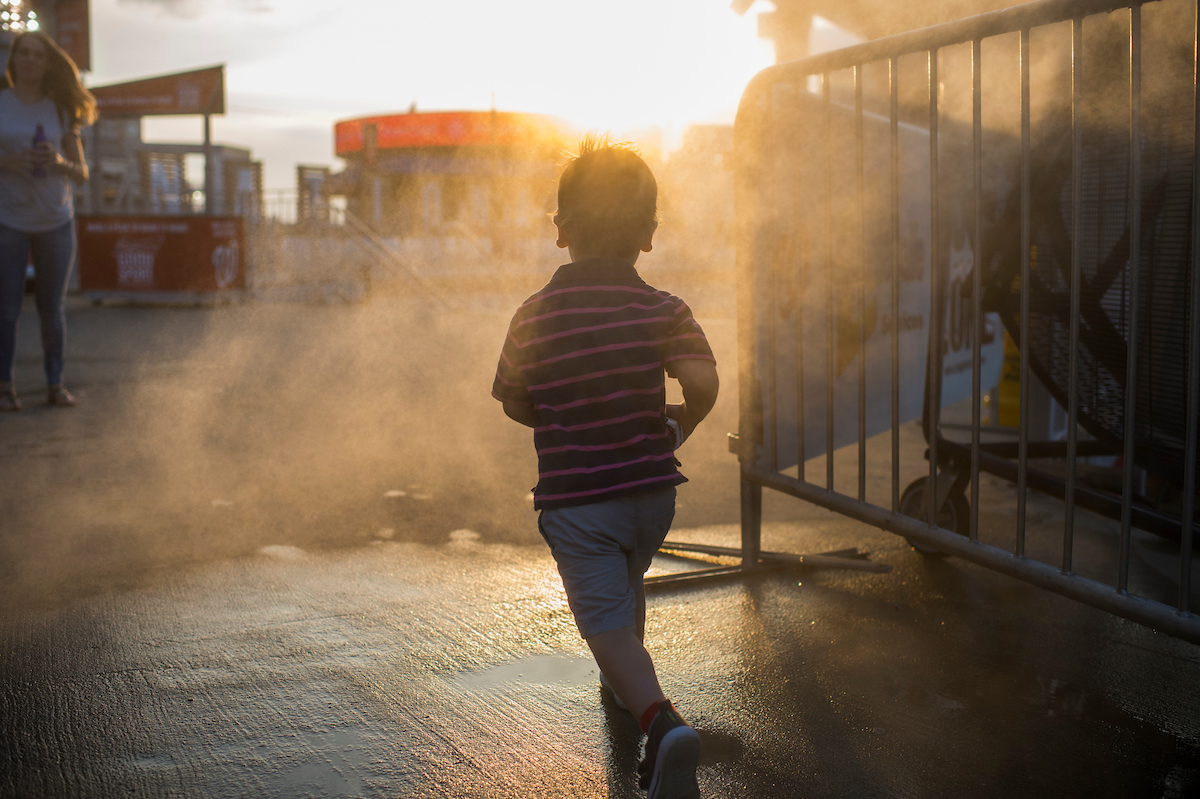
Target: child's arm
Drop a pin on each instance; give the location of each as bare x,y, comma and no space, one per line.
520,412
698,379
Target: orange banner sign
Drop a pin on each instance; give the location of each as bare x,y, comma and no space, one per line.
446,129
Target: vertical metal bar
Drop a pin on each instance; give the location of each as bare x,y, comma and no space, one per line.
751,507
1135,259
749,165
800,264
771,378
1193,369
210,170
1076,276
862,284
893,74
976,275
934,392
1023,422
829,327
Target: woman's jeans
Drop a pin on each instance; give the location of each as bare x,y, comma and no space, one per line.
53,257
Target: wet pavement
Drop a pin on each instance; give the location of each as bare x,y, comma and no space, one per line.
278,551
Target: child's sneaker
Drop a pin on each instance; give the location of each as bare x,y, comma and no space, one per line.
604,684
668,771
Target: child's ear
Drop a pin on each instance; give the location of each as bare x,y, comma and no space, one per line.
649,243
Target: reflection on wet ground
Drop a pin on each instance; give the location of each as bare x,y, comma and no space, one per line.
259,584
541,670
417,670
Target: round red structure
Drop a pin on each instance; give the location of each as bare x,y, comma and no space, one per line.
430,175
447,129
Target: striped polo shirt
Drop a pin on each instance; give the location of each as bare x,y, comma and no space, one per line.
588,352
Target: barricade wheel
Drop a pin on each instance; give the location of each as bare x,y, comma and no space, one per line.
954,515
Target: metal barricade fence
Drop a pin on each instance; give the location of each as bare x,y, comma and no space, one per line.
845,258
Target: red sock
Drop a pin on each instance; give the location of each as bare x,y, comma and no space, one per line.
649,716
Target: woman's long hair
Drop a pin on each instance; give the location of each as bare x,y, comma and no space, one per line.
60,83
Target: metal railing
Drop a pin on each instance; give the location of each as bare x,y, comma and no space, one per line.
282,206
763,373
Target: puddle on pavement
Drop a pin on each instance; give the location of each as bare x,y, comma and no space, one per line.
536,670
321,761
153,763
333,767
283,552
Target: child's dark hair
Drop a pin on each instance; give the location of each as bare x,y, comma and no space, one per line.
607,198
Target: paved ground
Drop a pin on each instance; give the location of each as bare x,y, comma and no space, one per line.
206,590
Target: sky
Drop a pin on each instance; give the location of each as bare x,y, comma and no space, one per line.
294,67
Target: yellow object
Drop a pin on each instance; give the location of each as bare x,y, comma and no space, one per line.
1009,412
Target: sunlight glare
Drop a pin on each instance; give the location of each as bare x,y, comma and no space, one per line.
295,68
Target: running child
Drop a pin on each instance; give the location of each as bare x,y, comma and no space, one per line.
583,365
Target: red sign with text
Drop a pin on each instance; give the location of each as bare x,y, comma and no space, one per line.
72,28
161,254
201,91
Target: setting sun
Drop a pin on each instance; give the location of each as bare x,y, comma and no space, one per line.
295,68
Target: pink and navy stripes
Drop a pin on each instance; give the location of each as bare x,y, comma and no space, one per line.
589,352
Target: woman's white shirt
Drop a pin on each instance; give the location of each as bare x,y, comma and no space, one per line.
29,204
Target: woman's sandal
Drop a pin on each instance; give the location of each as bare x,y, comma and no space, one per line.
9,401
57,395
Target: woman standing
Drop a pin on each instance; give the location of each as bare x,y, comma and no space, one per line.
42,106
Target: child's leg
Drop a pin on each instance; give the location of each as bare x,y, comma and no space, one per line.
627,666
625,648
603,550
602,553
639,598
653,525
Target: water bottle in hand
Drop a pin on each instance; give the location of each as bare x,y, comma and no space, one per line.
674,433
39,138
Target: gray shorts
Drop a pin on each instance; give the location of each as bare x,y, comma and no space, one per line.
602,551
